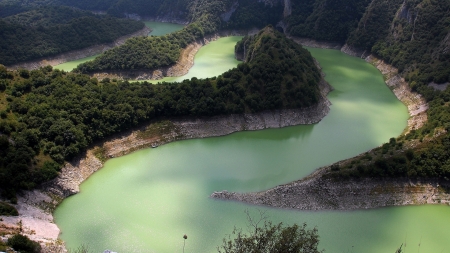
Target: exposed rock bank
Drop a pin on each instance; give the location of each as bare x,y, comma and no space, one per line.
35,220
180,68
317,192
161,132
35,207
78,54
417,106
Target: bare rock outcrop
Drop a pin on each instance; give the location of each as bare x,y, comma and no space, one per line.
354,51
417,106
320,193
35,221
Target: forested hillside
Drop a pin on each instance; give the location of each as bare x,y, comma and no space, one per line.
50,116
412,35
324,19
118,8
207,17
154,52
48,31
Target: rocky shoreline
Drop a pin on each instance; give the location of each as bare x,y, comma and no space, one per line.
317,192
180,68
36,207
173,129
320,193
37,222
78,54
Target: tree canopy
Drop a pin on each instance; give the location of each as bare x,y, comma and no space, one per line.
49,116
49,31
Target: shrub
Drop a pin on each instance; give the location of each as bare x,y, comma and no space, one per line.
268,237
8,210
23,244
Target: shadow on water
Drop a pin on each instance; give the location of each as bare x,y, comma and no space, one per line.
159,28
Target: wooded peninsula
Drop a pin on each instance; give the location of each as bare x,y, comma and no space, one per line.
48,117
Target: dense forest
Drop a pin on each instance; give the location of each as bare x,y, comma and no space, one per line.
154,52
206,18
325,20
50,116
49,31
411,35
118,8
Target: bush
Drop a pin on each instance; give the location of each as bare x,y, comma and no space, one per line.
3,114
272,238
23,244
7,209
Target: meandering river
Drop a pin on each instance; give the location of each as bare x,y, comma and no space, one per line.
147,201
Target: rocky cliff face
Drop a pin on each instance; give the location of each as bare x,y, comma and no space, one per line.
287,8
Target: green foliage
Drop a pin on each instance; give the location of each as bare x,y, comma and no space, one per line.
7,209
251,14
374,24
263,236
137,53
47,16
415,43
324,19
53,30
11,9
161,51
3,246
429,160
277,72
56,115
23,244
141,7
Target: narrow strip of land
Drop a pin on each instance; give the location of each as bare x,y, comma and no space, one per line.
319,192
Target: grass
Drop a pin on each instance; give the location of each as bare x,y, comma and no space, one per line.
157,129
100,153
41,159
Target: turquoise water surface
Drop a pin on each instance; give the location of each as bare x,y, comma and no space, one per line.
146,201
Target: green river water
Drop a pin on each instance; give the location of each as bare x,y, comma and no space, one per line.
147,201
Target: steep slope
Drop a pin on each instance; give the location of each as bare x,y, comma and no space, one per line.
48,31
61,113
329,20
